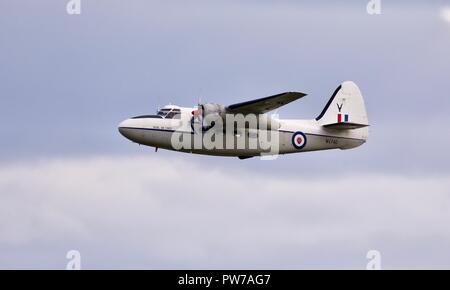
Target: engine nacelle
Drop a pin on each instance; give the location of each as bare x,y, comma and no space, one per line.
214,111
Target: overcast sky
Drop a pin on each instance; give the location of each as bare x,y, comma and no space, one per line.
69,180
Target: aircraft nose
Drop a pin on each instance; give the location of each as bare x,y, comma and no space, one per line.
122,131
124,127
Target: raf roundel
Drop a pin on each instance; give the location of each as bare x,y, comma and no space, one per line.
299,140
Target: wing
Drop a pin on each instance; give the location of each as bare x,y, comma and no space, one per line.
264,105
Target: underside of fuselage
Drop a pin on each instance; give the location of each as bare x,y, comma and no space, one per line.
240,145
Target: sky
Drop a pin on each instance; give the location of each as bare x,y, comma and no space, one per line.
69,180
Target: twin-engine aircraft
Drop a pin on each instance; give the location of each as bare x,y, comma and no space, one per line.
246,129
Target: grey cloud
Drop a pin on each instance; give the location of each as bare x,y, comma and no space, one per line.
132,212
67,81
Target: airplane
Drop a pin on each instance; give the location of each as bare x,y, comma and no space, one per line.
342,124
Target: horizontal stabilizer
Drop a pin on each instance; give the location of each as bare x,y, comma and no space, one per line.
345,126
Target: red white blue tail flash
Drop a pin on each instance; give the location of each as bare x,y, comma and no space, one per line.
342,118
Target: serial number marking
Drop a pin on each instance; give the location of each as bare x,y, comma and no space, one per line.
331,141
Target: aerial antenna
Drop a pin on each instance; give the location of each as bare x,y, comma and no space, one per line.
200,94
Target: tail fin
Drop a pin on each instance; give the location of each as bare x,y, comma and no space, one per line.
345,109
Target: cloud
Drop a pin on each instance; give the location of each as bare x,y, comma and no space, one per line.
445,14
152,212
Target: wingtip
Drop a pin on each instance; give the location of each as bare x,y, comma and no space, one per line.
298,93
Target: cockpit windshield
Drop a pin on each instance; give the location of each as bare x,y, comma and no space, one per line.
169,113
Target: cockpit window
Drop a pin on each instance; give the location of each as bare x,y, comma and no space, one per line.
166,113
163,112
147,117
173,115
169,113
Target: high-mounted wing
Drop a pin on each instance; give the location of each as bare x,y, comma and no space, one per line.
264,105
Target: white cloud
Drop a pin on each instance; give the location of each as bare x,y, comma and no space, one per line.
158,212
445,14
